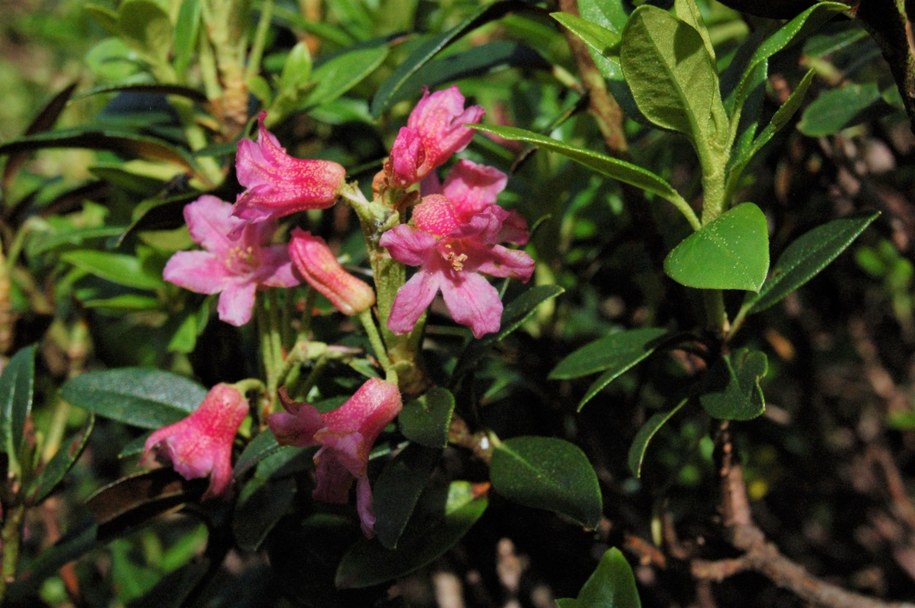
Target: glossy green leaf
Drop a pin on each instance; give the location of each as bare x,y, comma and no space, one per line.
547,473
732,390
17,391
611,585
807,256
426,419
619,352
147,28
836,109
671,74
390,88
792,31
445,516
598,38
161,88
115,267
340,73
296,69
261,447
730,252
59,465
614,168
640,443
187,27
398,488
143,397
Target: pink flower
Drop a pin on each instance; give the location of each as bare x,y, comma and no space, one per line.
278,184
435,130
234,269
317,264
201,444
453,248
346,436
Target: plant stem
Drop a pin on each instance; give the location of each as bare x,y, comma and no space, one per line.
12,539
371,330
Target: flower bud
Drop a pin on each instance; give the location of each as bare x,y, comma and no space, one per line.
319,267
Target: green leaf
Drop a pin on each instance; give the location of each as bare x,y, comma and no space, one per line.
261,504
296,69
794,30
644,436
342,72
390,88
807,256
444,517
115,267
619,352
143,397
614,168
838,108
426,419
730,252
59,465
732,390
261,447
600,39
547,473
395,494
146,28
671,74
17,391
611,585
187,26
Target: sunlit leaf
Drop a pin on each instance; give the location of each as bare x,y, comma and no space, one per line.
115,267
611,585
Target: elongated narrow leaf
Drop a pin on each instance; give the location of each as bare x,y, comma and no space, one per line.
807,256
547,473
429,49
261,504
187,26
619,351
611,585
794,30
146,27
395,494
162,89
17,390
143,397
598,38
426,419
339,74
614,168
671,74
644,436
730,252
445,516
61,463
838,108
732,390
115,267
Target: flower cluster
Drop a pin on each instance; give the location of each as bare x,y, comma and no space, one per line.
454,237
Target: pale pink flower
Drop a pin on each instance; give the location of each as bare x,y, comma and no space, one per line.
278,184
435,130
234,269
346,436
201,444
453,249
319,267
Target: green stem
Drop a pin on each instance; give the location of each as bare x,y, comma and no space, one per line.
260,40
371,330
12,539
266,342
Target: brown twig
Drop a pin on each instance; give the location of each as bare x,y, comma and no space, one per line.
762,556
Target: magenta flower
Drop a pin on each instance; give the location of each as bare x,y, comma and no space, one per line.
319,267
201,444
278,184
435,130
453,249
346,436
234,269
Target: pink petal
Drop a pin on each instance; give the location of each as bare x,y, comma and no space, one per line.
197,271
209,220
436,215
471,186
473,302
296,429
236,303
412,300
503,262
408,245
332,479
276,268
364,506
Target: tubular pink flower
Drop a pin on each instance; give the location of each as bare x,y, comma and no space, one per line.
234,269
201,444
453,249
435,130
278,184
346,436
319,267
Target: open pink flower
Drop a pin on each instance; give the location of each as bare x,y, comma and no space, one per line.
319,267
346,436
435,130
234,269
278,184
201,444
453,249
